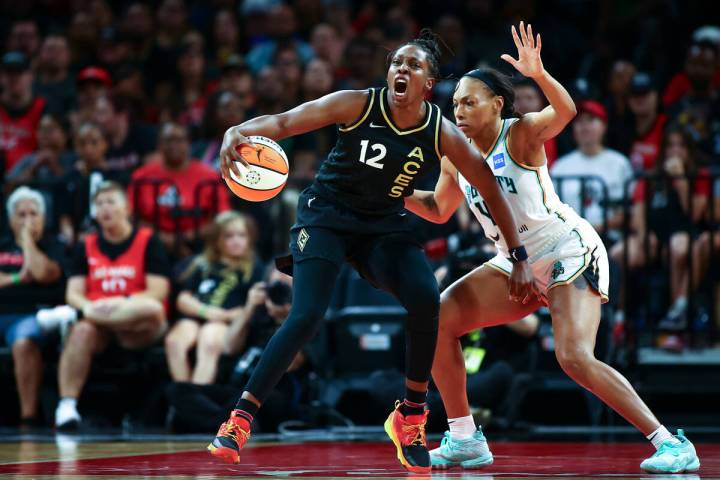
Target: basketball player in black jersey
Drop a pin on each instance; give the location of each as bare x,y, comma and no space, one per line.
387,138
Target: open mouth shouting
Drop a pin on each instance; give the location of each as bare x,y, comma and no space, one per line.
400,87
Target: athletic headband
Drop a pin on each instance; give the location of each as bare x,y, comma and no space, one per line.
486,78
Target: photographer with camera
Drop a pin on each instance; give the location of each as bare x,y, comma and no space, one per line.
198,408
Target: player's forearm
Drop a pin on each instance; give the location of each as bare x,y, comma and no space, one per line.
270,126
557,96
501,212
422,203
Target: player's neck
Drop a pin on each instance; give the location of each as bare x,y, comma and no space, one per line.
486,137
408,116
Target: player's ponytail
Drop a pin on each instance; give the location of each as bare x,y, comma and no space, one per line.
499,84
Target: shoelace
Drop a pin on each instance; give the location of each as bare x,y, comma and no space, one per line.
414,431
230,429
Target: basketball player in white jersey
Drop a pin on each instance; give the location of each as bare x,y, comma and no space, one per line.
567,257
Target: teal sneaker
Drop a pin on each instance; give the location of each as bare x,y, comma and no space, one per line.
470,453
673,458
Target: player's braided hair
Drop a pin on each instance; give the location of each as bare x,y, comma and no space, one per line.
429,41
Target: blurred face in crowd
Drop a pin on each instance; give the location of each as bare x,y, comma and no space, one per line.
171,15
83,30
90,145
324,41
675,147
138,22
287,63
269,85
174,145
240,82
281,22
644,104
230,111
111,209
318,78
528,99
225,29
101,12
24,37
191,63
234,241
475,106
408,77
16,87
700,66
450,29
54,54
359,59
90,92
50,134
104,115
27,212
588,131
620,77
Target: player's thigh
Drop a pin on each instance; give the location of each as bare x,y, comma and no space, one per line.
480,299
575,311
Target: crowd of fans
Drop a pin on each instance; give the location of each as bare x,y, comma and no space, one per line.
121,232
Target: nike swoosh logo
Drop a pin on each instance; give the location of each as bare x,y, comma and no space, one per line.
372,125
310,201
495,238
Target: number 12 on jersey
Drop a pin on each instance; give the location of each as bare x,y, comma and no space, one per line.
378,148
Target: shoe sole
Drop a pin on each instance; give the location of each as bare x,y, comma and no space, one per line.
398,447
473,464
225,454
693,467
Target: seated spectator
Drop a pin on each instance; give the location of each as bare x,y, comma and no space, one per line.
224,111
20,110
662,217
600,195
128,142
620,122
117,286
77,214
649,123
54,82
198,408
236,77
51,161
184,183
92,84
529,98
699,109
214,289
30,278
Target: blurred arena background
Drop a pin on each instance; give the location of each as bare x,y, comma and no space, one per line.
140,93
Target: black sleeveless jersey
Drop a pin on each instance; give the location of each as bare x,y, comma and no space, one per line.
374,164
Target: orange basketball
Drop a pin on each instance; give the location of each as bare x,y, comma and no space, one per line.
268,172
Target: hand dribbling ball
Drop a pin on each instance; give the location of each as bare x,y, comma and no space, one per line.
267,174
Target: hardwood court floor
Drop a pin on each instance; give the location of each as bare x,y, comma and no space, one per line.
323,460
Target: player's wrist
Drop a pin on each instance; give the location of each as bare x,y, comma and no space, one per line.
518,254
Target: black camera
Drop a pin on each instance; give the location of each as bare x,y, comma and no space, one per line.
279,293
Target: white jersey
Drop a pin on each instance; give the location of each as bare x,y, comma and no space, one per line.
540,215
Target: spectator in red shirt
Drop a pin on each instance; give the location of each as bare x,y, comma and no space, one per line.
189,195
649,122
20,110
118,281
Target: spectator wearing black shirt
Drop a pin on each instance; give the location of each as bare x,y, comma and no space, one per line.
53,80
215,287
118,280
77,214
30,277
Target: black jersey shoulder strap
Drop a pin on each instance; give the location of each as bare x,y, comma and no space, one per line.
372,98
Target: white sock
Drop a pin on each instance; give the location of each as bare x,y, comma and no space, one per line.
660,436
68,402
680,305
462,428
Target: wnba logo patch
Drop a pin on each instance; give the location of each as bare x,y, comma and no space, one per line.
498,160
302,240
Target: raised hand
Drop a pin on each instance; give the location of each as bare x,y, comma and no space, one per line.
528,62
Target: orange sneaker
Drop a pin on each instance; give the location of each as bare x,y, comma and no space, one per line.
408,435
230,439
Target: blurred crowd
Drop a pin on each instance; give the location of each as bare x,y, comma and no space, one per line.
118,231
